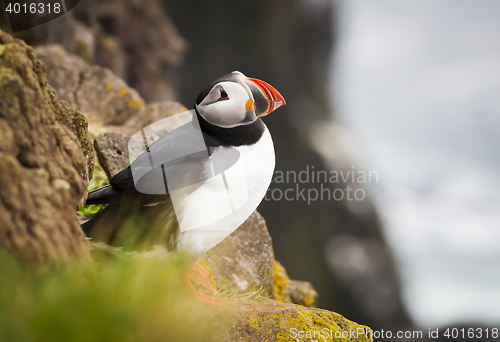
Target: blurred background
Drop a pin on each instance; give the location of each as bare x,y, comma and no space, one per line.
407,90
418,84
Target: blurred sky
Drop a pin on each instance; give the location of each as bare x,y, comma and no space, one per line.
418,83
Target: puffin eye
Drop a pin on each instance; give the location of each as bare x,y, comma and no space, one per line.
223,95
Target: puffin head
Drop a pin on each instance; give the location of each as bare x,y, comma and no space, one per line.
235,100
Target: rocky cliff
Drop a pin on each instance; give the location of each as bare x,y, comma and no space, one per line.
46,162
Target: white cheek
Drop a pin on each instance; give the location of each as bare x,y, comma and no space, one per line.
227,113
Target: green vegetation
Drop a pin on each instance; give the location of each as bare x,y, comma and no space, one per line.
99,179
114,298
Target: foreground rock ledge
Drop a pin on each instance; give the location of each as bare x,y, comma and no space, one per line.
43,169
268,320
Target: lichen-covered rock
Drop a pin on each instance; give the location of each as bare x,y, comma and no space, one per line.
106,97
74,35
292,291
152,46
243,262
112,152
272,321
303,293
63,71
78,124
42,164
135,39
84,44
94,90
110,54
156,111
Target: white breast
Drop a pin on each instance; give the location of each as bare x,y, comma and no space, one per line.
212,211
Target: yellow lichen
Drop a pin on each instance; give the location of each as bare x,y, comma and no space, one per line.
135,103
271,320
109,86
252,321
123,92
279,281
308,300
288,291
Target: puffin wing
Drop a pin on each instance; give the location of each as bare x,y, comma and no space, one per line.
176,159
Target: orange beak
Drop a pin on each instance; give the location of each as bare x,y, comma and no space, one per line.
267,98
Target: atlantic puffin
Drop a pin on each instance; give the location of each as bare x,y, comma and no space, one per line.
194,186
